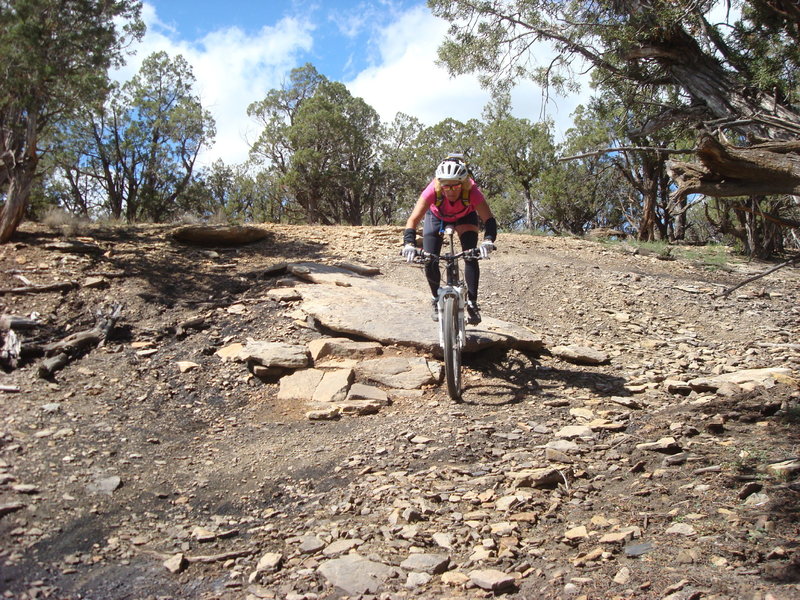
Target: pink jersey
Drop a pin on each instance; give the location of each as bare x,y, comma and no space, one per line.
452,211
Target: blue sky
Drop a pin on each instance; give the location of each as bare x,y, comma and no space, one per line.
384,51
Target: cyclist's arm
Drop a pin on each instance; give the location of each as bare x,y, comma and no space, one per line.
489,222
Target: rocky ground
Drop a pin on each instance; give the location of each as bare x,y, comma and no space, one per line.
147,466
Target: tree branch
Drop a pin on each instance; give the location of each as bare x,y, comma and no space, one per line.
628,149
759,276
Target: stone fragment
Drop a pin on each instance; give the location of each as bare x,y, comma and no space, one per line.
616,537
310,543
681,529
343,348
359,407
575,431
184,366
397,372
360,391
664,444
95,282
623,576
677,386
535,478
104,485
275,354
324,414
341,546
491,579
638,549
355,574
417,579
300,385
432,564
443,540
203,535
230,352
175,563
284,294
333,386
784,469
25,488
580,355
454,578
576,534
269,562
762,377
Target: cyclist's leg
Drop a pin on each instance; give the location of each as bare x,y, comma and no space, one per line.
467,229
432,242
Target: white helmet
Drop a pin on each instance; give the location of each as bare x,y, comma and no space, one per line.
451,169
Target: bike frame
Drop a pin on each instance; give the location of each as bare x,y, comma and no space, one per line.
451,305
454,287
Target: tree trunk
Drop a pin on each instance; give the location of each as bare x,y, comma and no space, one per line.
17,194
771,168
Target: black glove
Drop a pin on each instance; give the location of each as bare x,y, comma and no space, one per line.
410,237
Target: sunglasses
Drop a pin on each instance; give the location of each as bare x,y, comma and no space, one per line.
451,186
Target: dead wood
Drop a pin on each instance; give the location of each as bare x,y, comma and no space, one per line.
74,247
766,169
210,558
760,275
10,351
61,352
33,289
16,323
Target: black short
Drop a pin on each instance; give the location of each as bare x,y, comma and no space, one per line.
433,223
432,232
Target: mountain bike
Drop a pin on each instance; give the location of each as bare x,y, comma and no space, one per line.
451,305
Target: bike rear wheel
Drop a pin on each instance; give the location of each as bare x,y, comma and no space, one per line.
451,347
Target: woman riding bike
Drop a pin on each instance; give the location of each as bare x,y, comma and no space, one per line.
452,197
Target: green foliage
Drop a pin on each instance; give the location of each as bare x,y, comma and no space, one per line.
514,153
55,57
134,156
402,168
320,147
661,68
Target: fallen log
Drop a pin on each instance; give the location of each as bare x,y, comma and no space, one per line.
16,323
35,289
10,350
61,352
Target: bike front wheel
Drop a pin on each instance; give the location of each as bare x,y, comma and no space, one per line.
451,347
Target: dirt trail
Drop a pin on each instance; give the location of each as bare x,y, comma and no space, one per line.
121,461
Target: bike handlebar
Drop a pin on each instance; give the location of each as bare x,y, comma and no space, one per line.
423,256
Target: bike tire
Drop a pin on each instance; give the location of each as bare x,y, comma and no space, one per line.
451,347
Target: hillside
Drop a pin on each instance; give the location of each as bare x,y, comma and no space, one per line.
152,463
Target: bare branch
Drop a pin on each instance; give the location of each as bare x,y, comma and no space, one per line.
628,149
760,275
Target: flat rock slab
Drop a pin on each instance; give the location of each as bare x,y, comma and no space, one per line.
399,372
219,235
355,574
343,301
763,377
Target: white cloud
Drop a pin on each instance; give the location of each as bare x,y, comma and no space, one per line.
232,69
407,79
